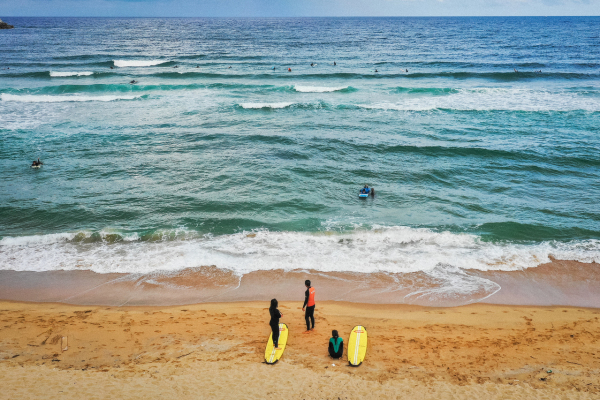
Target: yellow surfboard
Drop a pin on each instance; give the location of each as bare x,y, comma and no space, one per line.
272,355
357,346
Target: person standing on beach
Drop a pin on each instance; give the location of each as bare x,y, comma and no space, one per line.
309,304
274,322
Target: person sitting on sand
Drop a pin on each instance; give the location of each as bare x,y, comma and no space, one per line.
274,322
336,345
309,304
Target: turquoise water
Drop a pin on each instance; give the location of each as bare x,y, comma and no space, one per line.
474,165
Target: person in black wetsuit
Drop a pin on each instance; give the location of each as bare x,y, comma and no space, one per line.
309,304
336,345
274,322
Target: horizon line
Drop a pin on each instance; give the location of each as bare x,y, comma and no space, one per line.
307,16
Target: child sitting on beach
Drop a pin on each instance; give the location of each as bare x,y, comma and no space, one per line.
336,345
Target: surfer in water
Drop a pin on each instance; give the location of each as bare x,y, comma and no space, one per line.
37,163
274,322
309,304
334,64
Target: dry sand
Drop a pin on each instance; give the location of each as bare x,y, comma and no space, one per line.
216,350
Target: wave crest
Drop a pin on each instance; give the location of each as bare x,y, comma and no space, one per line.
396,249
138,63
61,99
318,89
66,74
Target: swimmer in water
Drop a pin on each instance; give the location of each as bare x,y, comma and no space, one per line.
289,70
376,71
407,70
37,163
230,67
312,64
112,67
334,64
133,82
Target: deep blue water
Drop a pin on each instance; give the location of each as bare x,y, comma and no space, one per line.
474,165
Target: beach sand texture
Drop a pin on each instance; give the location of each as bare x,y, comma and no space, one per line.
216,350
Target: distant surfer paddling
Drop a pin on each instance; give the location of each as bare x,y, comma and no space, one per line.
37,163
274,322
309,305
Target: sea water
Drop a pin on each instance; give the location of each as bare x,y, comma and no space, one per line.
480,136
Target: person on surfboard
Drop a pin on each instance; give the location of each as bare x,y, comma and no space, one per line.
274,322
309,304
336,345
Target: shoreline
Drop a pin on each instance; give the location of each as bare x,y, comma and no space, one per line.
216,350
558,283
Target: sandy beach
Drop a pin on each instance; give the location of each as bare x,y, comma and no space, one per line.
216,350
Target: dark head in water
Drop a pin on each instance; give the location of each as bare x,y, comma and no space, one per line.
133,82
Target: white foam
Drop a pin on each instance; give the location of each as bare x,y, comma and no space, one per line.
265,105
483,99
389,249
65,74
137,63
318,89
62,98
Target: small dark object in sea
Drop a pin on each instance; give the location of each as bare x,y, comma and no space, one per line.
4,25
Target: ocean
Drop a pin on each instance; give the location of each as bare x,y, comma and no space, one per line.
480,136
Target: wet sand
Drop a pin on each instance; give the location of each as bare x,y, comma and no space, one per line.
560,282
215,350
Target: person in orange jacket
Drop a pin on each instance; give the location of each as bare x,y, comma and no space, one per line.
309,304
